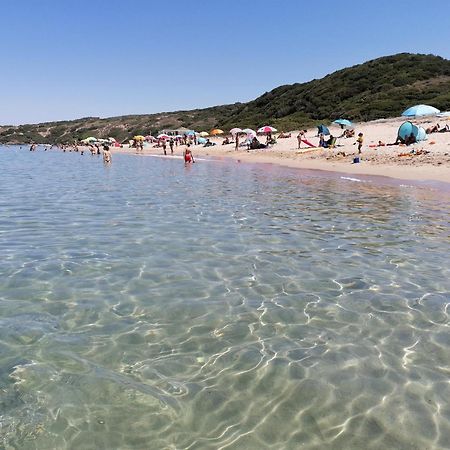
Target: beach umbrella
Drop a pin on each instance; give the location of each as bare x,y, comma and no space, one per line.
420,110
215,132
163,136
235,131
343,122
204,134
267,129
139,137
249,131
90,139
201,140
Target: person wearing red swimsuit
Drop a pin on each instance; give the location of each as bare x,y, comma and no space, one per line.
188,157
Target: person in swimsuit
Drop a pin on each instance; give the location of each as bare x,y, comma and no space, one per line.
106,154
188,157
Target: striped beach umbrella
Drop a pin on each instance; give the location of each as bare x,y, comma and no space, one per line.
267,129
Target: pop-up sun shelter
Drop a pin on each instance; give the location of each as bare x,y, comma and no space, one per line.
407,128
322,129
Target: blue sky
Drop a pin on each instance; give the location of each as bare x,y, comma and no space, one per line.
74,58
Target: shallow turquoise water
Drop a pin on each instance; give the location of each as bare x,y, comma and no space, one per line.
145,305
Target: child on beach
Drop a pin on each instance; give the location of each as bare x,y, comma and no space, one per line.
360,141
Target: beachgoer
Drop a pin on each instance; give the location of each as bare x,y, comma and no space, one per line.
360,141
255,144
236,144
106,154
331,142
411,139
300,137
321,140
171,145
349,133
433,129
164,145
226,141
188,156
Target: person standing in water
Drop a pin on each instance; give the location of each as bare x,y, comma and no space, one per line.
188,156
106,155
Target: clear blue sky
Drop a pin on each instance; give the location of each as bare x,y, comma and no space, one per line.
64,59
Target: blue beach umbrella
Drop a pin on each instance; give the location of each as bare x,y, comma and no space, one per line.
420,110
344,122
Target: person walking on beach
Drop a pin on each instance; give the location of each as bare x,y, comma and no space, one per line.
236,145
171,145
164,146
106,155
360,141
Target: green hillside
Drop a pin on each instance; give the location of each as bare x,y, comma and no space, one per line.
380,88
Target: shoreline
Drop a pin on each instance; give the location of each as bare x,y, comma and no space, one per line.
420,175
425,162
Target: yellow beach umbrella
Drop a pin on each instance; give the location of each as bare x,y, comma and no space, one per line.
139,137
204,134
215,132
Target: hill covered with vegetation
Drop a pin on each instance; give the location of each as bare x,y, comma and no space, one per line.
380,88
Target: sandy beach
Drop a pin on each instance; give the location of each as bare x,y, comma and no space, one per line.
427,160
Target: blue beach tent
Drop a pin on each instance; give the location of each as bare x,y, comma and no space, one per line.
323,129
407,128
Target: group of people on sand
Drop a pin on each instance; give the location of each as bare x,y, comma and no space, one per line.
330,142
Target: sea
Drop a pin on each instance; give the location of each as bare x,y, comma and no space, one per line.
149,305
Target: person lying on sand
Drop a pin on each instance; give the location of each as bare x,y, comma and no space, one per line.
433,129
208,143
284,135
348,134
